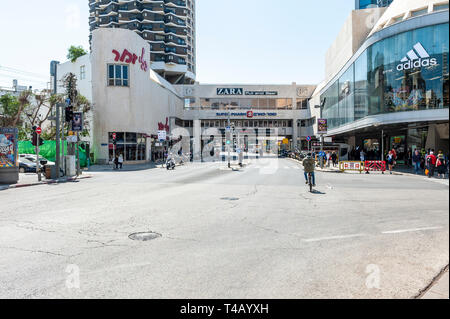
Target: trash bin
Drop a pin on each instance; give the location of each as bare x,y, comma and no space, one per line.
50,172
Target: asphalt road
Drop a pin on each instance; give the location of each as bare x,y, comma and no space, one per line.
253,233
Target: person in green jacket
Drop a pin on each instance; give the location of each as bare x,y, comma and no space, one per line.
308,166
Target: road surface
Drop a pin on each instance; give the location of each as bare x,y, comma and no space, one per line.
252,233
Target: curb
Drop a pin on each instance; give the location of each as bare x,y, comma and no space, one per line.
71,179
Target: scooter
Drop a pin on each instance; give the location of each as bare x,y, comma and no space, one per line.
170,164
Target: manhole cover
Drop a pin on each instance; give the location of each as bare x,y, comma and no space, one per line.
229,198
144,236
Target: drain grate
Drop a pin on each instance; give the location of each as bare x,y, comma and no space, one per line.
230,198
144,236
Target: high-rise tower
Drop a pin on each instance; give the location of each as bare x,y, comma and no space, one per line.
168,25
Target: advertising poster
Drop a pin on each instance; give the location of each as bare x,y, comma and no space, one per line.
8,147
77,122
322,126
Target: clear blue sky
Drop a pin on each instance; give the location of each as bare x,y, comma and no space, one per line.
238,41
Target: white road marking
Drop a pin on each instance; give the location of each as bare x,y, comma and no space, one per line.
409,230
333,237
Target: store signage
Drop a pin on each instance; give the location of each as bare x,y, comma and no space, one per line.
228,91
249,114
322,126
418,57
240,91
128,57
261,93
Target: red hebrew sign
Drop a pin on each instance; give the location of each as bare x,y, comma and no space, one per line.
128,57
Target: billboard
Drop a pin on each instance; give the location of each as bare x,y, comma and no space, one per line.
8,147
322,126
77,122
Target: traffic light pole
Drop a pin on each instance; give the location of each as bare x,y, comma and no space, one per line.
38,171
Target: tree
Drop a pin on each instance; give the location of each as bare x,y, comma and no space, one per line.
9,105
75,52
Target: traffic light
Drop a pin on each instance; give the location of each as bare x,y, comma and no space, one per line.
228,137
69,113
35,137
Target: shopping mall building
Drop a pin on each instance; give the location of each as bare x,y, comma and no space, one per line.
386,86
389,86
134,102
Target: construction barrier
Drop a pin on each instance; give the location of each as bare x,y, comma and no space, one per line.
351,166
375,166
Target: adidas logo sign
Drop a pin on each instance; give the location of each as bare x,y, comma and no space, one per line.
416,58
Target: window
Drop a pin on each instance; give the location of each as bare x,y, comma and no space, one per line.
118,75
438,7
419,12
82,72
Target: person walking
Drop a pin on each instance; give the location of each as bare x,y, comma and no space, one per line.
120,161
390,161
334,159
431,163
416,159
328,159
441,165
362,156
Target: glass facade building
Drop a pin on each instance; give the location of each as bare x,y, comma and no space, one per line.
406,72
365,4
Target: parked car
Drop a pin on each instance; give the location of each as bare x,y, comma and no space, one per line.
27,166
32,158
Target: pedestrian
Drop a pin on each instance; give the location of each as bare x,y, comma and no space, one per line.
120,160
362,156
394,154
116,162
390,161
334,159
328,159
416,158
441,165
431,163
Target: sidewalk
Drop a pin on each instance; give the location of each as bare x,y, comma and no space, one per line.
31,179
439,289
125,168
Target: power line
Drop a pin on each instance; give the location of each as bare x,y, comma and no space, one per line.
22,78
13,70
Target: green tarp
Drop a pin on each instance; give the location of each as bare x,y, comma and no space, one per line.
48,150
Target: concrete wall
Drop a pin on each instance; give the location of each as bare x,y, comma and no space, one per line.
353,33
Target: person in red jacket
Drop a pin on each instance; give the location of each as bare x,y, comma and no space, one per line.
431,163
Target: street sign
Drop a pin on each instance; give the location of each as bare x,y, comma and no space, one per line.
38,130
308,138
228,128
162,136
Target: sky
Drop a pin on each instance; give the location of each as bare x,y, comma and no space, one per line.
238,41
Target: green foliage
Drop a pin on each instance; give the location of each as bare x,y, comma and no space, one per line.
75,52
9,106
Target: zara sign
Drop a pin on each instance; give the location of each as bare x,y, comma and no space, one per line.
230,91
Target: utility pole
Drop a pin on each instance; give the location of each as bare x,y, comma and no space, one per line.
231,138
54,73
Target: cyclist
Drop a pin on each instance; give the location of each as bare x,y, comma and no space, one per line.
308,167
